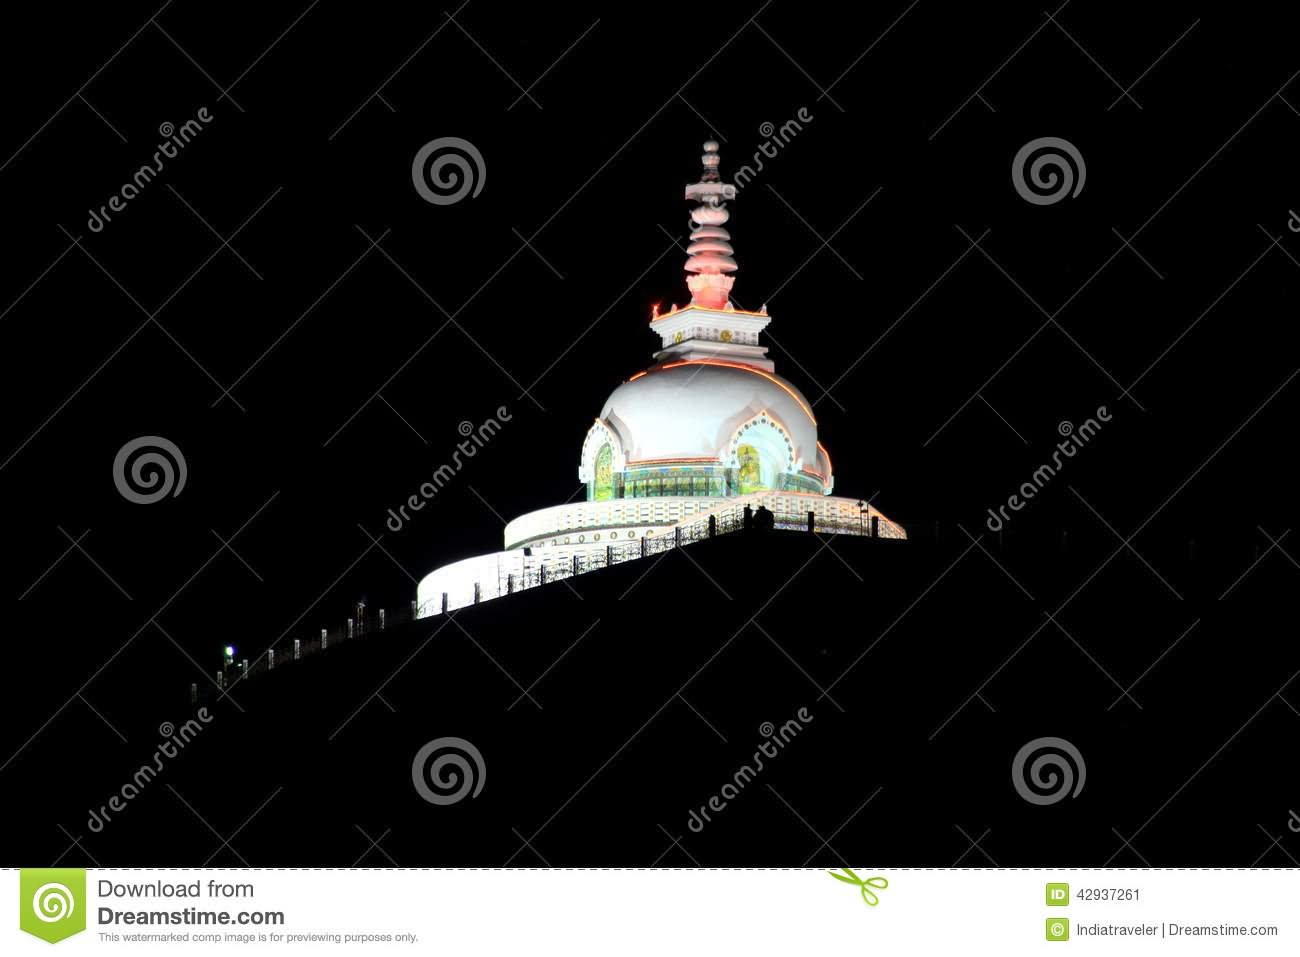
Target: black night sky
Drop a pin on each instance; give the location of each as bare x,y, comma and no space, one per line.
283,306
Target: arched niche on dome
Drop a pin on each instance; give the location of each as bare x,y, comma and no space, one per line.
825,469
761,454
603,460
602,486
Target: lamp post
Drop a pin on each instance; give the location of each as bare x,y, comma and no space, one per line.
862,517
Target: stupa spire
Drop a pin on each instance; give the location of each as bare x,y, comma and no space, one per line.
710,256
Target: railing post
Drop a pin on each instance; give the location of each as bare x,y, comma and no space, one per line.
381,619
415,609
221,678
476,593
812,521
875,526
575,564
351,632
324,639
713,526
609,555
194,692
510,584
541,572
677,536
444,603
270,659
643,546
297,649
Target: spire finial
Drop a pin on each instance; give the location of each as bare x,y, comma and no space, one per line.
710,254
710,162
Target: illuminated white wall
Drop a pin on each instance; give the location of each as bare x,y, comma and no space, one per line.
618,517
603,536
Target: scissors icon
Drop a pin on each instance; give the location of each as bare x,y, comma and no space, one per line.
868,895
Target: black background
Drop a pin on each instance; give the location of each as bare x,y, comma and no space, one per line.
310,400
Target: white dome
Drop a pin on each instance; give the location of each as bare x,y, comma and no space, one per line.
696,410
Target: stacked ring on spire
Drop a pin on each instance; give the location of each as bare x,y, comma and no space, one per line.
710,254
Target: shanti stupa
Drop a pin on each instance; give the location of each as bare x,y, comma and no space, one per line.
706,431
